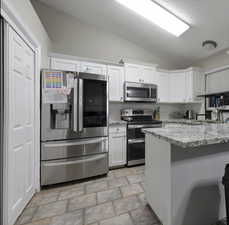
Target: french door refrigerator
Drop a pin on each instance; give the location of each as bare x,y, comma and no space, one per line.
74,126
1,116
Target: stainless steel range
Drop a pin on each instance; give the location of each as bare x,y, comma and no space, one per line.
136,120
74,126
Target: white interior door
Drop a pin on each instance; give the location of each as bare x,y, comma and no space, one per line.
20,137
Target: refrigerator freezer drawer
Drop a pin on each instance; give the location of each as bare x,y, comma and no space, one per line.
58,171
66,149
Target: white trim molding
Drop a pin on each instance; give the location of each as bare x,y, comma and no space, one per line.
216,70
13,19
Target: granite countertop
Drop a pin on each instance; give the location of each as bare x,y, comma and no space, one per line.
192,135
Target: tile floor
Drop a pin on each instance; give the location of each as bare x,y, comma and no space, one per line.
116,199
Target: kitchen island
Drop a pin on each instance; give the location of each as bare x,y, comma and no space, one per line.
184,169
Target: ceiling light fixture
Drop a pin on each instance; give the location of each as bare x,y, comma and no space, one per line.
157,14
209,45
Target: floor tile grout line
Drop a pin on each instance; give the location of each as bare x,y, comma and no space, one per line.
132,219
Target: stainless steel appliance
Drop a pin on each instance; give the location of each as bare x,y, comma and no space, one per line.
136,121
139,92
74,126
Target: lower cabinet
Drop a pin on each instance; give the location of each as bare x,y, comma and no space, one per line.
117,146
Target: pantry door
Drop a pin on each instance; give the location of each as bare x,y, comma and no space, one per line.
20,124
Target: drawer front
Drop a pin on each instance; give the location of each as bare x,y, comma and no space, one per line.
66,149
117,129
58,171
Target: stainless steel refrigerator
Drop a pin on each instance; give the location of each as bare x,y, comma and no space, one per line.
1,116
74,126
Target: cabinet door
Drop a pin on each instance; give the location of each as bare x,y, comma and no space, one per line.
116,82
177,90
95,68
149,75
63,64
189,87
195,85
163,87
20,161
133,73
117,150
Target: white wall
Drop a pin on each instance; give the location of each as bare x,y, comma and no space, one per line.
218,60
27,14
72,37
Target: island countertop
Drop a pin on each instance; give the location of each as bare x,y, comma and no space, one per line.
192,135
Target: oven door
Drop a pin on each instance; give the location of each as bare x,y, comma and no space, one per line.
136,151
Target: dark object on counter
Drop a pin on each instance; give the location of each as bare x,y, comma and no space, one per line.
222,222
189,115
226,188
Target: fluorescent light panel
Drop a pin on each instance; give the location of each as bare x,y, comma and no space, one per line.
157,14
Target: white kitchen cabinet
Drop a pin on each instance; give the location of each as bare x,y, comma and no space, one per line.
195,84
116,83
117,145
149,75
218,81
177,87
133,73
163,87
96,68
64,64
140,73
180,86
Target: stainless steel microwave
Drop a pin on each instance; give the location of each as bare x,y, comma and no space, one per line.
140,92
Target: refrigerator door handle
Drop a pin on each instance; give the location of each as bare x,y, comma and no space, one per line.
75,143
78,161
75,112
80,105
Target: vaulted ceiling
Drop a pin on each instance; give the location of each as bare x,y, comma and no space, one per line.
208,20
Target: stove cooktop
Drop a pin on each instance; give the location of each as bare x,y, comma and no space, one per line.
141,120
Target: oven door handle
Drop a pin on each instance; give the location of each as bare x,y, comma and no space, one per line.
134,141
80,142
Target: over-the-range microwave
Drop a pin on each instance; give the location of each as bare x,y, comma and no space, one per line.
140,92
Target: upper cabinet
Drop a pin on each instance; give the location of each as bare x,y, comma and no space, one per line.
217,81
149,75
133,73
64,64
195,84
96,68
116,83
177,87
182,86
140,73
163,86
